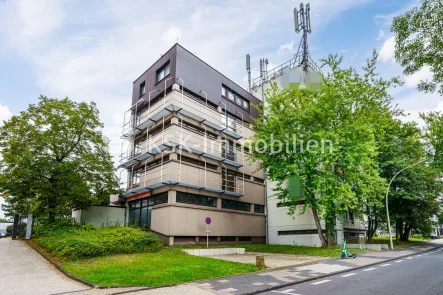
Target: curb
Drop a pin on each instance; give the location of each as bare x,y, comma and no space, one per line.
59,268
85,282
336,273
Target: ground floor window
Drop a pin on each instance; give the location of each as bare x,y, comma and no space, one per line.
235,205
140,211
194,199
259,208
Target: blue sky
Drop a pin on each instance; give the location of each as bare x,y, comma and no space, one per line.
93,50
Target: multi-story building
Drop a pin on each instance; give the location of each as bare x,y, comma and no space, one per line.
184,154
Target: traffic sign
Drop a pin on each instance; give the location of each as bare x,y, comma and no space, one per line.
208,220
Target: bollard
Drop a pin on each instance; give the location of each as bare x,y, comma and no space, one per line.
260,261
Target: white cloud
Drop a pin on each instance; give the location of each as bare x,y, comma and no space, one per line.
422,75
94,50
387,51
5,114
286,47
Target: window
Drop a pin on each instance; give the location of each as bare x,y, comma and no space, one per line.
223,91
138,147
230,95
198,130
198,162
245,104
244,239
228,180
228,122
256,179
163,72
299,232
136,176
287,204
142,88
238,100
227,239
228,150
235,205
140,211
259,208
193,199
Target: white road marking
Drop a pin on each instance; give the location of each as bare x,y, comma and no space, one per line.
369,269
320,282
409,258
348,275
386,264
419,255
399,261
425,254
288,291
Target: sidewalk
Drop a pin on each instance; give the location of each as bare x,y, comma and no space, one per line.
260,282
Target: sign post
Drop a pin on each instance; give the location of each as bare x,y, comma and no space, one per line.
208,222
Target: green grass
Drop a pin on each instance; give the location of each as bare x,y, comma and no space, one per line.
415,241
169,266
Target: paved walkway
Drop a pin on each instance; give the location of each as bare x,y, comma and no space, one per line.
23,271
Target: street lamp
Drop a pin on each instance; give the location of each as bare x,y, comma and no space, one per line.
387,192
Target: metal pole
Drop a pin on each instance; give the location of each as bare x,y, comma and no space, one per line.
207,236
387,192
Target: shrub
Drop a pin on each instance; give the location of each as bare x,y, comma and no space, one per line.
45,227
87,241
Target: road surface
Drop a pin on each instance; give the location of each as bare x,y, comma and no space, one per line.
418,274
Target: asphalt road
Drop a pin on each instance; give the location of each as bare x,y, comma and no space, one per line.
418,274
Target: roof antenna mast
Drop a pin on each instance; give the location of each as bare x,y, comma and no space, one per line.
248,69
302,23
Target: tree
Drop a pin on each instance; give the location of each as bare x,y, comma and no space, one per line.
55,158
344,112
418,42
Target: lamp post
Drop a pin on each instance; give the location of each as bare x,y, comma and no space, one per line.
387,192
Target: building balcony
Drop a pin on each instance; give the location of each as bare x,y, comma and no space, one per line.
183,104
183,139
185,175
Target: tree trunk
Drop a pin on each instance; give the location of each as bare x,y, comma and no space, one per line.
319,229
372,223
405,234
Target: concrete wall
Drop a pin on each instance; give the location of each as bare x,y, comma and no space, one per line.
100,215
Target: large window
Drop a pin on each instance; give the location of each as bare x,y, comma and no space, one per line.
228,180
163,72
140,211
234,97
235,205
193,199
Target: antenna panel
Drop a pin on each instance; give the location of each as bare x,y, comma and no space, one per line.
248,62
308,18
296,22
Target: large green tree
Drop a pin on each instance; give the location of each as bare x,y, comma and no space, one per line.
346,111
419,42
55,158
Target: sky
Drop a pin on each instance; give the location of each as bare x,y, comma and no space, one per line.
92,50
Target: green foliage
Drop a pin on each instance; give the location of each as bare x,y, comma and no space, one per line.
80,242
9,229
346,112
419,35
55,227
5,220
54,158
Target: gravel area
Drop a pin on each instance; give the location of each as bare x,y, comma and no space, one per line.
271,260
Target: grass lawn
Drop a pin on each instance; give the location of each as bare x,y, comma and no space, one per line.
412,242
169,266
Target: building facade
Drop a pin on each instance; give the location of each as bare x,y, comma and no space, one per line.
184,154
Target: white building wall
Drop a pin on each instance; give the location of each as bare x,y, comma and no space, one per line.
100,216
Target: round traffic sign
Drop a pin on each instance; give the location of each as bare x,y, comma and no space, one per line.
208,220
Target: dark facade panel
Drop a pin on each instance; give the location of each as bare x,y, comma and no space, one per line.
150,79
